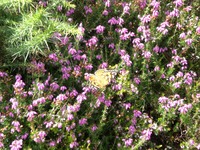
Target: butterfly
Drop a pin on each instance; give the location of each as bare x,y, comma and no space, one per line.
102,77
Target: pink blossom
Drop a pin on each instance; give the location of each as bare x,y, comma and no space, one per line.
16,145
82,121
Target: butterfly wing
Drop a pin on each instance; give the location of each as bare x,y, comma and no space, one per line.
101,78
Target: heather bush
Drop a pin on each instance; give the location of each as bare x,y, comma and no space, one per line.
50,50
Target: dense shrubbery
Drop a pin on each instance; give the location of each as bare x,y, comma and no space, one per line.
47,100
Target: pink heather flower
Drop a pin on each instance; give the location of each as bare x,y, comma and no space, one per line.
137,80
127,142
70,12
40,86
3,74
16,124
93,128
147,54
1,98
197,31
178,3
25,136
198,146
70,117
134,89
14,103
126,59
104,65
113,21
184,109
54,86
82,30
59,8
155,4
19,85
157,68
63,88
105,13
52,143
92,42
146,134
73,93
82,121
108,103
31,115
80,98
40,137
61,97
112,45
88,10
100,29
73,145
120,21
127,105
1,145
48,124
72,51
145,19
137,113
188,41
182,35
177,84
107,3
88,67
126,8
16,145
131,129
43,4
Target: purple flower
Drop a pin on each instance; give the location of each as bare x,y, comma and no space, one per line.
128,142
100,29
184,109
146,54
137,113
52,143
81,97
178,3
82,121
14,103
127,105
182,35
88,10
126,8
40,137
145,19
69,12
188,41
137,80
92,42
53,57
3,74
40,86
146,134
31,115
155,4
131,129
54,86
113,21
107,3
16,145
105,13
93,128
61,97
73,144
197,31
